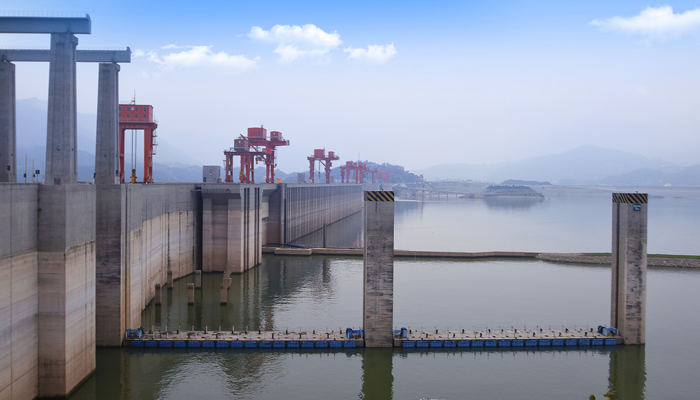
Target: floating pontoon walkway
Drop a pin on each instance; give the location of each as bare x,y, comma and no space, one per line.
351,339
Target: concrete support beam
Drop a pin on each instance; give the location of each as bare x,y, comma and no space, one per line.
91,56
107,146
629,266
45,24
8,146
378,270
61,138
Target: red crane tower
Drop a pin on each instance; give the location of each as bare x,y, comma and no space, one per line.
323,159
138,117
253,148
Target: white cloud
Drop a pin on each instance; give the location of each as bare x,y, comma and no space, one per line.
374,53
295,41
199,56
138,53
654,22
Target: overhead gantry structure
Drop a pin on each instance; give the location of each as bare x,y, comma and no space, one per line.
61,138
253,148
324,159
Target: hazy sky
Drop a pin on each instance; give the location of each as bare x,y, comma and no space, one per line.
415,83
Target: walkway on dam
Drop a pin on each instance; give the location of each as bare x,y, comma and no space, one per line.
541,339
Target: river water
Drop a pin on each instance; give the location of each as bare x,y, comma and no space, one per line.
325,293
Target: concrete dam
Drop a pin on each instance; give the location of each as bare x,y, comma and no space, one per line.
79,262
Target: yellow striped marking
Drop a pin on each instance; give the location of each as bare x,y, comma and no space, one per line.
379,195
631,198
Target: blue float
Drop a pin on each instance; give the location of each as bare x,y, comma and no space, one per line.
450,343
306,344
135,343
610,342
336,344
408,344
208,344
422,344
436,343
504,343
570,342
517,343
597,342
321,344
463,343
194,343
222,344
545,342
179,344
278,344
349,344
558,342
531,343
584,342
151,343
293,345
236,344
490,343
251,345
477,343
265,344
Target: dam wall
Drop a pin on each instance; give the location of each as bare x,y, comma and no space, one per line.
47,288
307,208
19,291
80,262
146,235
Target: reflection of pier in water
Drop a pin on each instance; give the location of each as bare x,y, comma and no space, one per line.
252,296
237,371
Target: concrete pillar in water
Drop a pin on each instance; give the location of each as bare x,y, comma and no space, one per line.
170,279
8,132
223,294
190,293
378,271
159,295
61,135
629,266
198,278
107,147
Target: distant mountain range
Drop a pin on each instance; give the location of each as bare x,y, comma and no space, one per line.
585,165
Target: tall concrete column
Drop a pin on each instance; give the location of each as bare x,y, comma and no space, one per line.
629,266
107,144
8,162
61,135
378,270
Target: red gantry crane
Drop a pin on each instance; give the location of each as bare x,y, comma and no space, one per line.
253,148
137,117
323,159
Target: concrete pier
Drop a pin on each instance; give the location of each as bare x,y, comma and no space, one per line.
107,148
170,280
66,276
8,133
61,138
629,266
158,296
198,278
223,294
190,293
378,270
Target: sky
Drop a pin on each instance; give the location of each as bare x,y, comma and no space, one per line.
415,83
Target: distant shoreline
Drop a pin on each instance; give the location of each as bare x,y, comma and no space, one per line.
653,260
